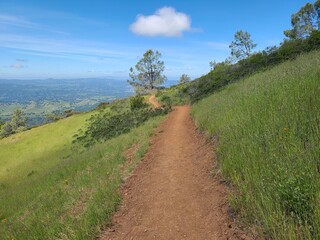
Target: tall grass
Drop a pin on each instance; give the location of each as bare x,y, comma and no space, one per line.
268,130
51,189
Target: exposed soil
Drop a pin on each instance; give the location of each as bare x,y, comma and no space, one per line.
172,193
154,102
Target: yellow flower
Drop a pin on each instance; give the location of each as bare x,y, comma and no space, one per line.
285,129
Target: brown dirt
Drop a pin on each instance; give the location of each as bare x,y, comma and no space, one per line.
154,102
172,193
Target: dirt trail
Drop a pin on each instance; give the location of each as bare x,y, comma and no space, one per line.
171,194
154,102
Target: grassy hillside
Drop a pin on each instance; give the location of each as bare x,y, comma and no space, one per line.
268,130
53,189
225,73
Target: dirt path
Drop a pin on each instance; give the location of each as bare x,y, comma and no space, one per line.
154,102
171,194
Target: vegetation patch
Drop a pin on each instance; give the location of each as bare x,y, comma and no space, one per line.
61,190
108,125
224,73
268,146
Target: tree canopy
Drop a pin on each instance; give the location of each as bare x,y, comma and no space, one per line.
148,73
242,45
18,123
184,79
305,21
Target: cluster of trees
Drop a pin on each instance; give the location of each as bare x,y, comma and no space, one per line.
18,123
304,23
303,37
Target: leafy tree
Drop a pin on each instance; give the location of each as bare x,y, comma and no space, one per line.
242,45
184,79
149,72
213,65
6,130
18,123
305,21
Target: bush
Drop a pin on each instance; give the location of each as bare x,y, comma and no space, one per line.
137,102
106,126
18,123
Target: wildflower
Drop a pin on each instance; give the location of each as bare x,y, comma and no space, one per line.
285,129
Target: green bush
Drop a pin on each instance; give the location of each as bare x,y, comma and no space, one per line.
18,123
106,126
137,102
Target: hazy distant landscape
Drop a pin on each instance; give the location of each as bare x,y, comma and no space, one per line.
38,97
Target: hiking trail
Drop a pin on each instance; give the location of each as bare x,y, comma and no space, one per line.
172,193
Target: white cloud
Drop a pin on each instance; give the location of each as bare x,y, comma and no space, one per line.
15,21
165,22
17,65
60,48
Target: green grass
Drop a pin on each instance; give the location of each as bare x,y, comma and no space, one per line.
53,189
268,131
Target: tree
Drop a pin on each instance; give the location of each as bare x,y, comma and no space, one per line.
18,120
212,65
18,123
242,45
305,21
149,72
184,79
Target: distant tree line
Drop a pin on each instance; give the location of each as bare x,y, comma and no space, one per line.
303,37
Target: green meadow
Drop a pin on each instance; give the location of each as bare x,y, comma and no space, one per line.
51,188
267,128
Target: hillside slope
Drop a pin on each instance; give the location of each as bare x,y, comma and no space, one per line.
268,146
51,188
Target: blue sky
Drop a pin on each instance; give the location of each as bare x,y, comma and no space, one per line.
42,39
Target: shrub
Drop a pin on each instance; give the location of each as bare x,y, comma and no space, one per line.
137,102
106,126
18,123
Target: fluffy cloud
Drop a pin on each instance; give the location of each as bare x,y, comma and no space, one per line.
165,22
